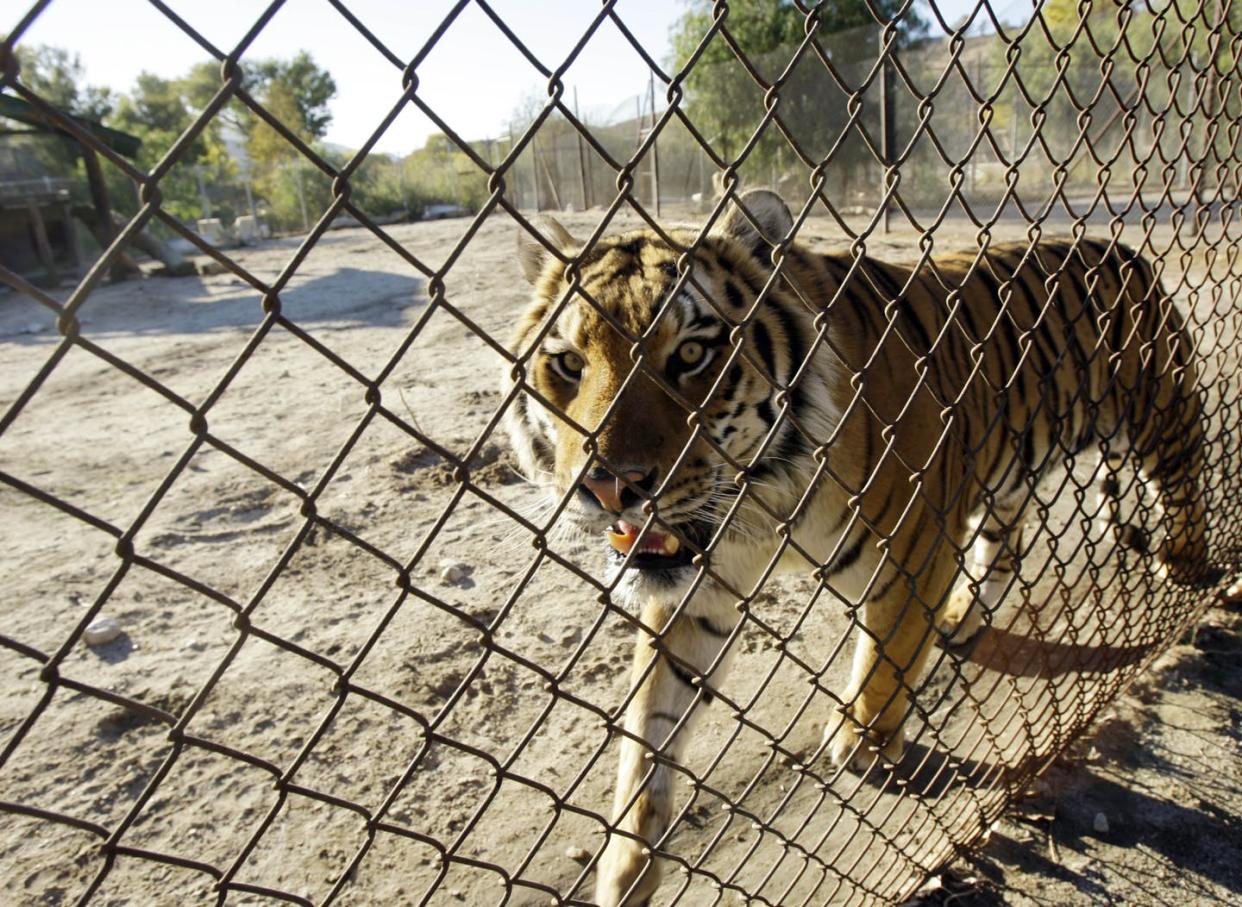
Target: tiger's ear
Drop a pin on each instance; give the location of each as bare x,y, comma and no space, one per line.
768,223
532,254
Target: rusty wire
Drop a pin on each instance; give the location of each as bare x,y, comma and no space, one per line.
874,841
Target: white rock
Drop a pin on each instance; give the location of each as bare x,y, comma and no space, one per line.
578,854
102,631
1100,824
35,327
453,572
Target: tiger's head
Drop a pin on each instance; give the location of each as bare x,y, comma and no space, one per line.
636,403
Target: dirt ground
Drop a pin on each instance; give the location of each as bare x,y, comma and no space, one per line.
1164,768
321,716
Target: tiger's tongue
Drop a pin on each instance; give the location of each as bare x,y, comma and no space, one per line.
623,536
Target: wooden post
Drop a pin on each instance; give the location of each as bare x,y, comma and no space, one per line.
105,232
99,197
582,159
42,246
72,238
534,171
297,173
547,173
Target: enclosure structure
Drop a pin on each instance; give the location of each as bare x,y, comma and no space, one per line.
360,663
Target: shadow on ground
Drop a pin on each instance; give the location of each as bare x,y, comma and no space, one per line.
1147,811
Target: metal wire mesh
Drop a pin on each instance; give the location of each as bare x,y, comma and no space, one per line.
419,740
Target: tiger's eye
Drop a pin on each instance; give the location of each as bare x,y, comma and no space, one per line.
571,363
690,352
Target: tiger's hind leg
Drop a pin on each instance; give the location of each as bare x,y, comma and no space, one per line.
1172,461
1108,517
993,565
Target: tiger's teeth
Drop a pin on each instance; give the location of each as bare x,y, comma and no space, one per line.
670,545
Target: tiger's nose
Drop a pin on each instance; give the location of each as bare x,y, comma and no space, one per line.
613,493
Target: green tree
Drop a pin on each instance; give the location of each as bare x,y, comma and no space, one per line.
722,98
440,173
1129,64
158,111
301,88
57,77
296,92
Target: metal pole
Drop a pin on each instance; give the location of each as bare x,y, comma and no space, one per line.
885,131
655,154
534,170
582,162
202,191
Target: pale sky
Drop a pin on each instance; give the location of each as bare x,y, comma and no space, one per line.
473,78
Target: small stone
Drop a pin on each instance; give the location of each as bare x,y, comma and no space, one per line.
578,854
102,631
1100,824
453,572
35,328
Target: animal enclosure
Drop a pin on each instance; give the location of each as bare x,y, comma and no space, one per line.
362,661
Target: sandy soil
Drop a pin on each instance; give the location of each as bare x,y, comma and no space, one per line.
322,717
1164,769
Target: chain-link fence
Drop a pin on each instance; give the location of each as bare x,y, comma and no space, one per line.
353,658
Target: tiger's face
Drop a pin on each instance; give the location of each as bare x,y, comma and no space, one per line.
641,410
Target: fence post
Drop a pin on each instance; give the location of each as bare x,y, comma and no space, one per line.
655,153
582,159
886,127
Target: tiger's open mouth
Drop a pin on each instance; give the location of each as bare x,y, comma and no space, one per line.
652,550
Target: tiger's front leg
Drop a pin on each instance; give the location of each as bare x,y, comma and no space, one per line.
899,617
670,656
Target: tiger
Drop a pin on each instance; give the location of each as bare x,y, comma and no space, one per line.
713,404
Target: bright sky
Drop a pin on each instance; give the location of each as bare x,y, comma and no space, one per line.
474,78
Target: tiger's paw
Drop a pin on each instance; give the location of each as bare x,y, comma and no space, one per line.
852,747
963,616
627,875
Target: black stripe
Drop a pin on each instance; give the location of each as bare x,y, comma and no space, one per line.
1009,338
1039,325
733,295
794,346
709,628
687,678
1166,466
848,557
890,289
1071,270
964,307
763,346
766,413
